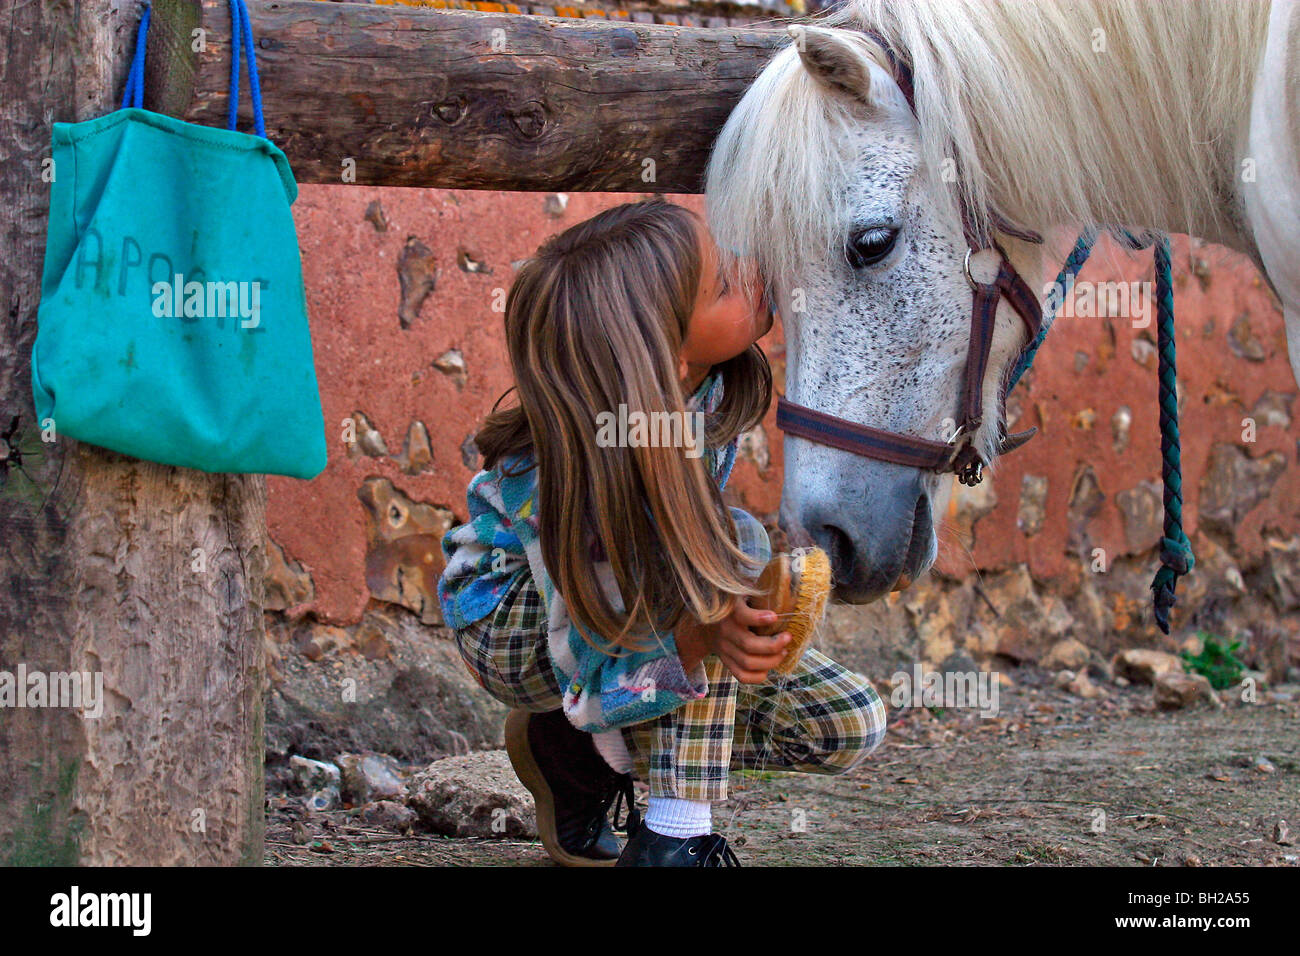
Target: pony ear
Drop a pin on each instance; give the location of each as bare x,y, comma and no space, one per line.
833,60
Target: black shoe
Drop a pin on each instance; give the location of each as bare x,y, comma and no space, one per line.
647,848
572,787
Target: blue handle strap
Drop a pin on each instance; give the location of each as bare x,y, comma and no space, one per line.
241,32
133,95
242,29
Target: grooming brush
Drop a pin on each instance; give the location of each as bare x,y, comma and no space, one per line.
796,586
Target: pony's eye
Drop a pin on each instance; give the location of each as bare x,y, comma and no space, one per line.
868,246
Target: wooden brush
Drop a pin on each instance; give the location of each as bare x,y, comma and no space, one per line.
796,586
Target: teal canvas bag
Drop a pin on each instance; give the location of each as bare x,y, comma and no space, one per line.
172,324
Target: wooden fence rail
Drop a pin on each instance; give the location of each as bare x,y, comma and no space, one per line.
393,95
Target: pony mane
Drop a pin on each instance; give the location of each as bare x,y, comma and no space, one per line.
778,177
1045,128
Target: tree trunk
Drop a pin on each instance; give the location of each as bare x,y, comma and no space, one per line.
147,576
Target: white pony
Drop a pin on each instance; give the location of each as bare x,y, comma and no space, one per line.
1176,115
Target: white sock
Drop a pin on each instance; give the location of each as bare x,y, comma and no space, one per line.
611,746
671,817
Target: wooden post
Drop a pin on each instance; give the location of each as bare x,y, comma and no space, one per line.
98,552
406,96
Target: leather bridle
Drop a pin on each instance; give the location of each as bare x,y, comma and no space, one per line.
959,453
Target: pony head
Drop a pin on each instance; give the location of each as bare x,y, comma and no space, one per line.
819,175
851,207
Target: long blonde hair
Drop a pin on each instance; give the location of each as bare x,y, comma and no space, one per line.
595,319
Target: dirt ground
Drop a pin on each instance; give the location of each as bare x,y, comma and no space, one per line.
1053,779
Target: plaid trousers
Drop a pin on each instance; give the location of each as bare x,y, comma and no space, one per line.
822,718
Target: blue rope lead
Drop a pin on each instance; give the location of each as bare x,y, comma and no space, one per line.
1073,263
1176,557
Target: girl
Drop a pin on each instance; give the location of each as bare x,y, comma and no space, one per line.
602,590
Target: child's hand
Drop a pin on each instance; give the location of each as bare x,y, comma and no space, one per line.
747,655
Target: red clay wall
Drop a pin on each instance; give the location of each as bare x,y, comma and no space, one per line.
1076,487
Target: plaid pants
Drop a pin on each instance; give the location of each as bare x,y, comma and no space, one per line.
822,718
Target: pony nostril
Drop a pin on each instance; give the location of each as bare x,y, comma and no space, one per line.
839,548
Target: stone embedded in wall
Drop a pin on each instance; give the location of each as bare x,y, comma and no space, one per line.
1107,347
1282,571
968,504
1088,605
1243,341
1234,483
371,636
416,703
1220,392
1068,654
375,216
363,439
1017,619
753,447
1086,499
876,638
1144,512
930,616
1033,504
404,548
555,204
287,582
1201,269
1085,419
1215,578
469,452
417,274
276,638
1273,408
316,641
417,453
452,364
1120,423
470,261
1143,351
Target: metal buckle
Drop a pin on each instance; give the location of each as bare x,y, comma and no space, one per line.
974,283
965,461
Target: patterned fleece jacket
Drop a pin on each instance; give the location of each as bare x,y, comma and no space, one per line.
500,542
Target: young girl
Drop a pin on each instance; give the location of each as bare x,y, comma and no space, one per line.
602,590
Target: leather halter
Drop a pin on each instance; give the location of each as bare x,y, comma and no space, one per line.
959,454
